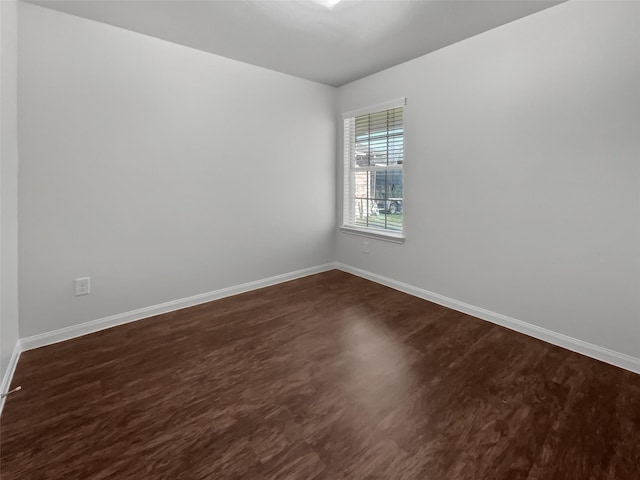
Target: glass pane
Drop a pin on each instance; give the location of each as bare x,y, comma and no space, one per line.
378,199
388,185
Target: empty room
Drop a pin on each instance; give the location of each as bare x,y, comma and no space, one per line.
320,239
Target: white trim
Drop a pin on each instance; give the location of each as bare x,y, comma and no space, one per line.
385,235
398,102
93,326
11,369
590,350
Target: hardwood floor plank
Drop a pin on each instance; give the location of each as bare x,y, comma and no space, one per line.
326,377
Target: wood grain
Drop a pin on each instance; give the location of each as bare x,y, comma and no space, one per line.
326,377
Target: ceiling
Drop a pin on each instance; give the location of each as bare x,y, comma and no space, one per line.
305,38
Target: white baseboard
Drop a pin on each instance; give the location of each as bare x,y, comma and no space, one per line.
74,331
594,351
590,350
8,374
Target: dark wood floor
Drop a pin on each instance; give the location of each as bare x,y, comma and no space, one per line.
326,377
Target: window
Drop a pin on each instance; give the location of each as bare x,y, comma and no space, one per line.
373,171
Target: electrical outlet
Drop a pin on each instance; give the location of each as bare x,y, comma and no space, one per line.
83,286
365,247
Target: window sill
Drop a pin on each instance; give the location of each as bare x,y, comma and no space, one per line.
371,233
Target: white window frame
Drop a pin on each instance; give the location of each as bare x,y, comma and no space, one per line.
349,176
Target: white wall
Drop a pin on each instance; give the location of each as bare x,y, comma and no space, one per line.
8,184
523,172
160,171
522,189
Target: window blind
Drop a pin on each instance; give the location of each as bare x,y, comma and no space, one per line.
373,169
